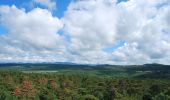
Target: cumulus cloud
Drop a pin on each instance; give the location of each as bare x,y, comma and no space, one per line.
89,27
98,24
34,32
85,21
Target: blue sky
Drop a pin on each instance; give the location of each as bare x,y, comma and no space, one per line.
101,31
114,47
3,30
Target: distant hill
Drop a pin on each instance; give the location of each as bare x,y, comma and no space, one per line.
139,71
69,64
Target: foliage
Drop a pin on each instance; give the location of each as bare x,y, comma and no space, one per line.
16,85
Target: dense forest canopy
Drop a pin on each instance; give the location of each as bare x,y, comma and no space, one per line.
84,82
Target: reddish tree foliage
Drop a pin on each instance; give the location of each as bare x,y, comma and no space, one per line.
27,89
53,85
17,91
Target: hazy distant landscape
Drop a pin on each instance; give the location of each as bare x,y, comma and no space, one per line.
143,71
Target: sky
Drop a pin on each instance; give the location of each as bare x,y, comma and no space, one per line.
85,31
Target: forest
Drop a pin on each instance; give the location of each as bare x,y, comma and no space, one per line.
146,82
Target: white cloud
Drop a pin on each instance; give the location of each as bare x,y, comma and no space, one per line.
38,27
85,22
31,33
50,4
